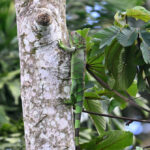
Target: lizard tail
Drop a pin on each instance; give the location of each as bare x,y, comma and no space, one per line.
78,110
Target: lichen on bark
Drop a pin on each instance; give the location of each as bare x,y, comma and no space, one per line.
45,81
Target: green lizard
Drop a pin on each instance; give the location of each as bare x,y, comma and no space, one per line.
78,65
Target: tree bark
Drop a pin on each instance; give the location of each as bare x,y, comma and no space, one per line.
45,68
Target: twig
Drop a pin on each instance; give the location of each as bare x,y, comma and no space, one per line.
147,146
105,85
40,120
112,116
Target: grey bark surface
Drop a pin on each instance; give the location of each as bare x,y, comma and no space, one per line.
45,82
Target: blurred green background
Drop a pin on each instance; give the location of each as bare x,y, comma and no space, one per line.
11,125
95,14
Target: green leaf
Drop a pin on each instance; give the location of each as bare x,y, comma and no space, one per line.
117,101
124,4
145,46
9,76
141,82
8,128
15,89
145,36
94,50
89,84
86,134
143,103
111,140
127,36
89,43
10,20
120,20
107,35
139,12
112,105
112,53
132,90
126,68
96,63
96,60
145,52
91,96
111,81
119,125
123,104
121,64
83,32
3,116
95,106
146,69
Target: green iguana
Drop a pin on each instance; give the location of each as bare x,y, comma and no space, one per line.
78,64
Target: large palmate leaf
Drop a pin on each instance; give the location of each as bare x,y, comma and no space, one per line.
112,53
126,68
111,140
139,12
96,62
127,36
96,65
95,106
94,50
107,35
121,64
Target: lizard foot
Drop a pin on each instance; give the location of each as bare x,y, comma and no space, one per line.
68,102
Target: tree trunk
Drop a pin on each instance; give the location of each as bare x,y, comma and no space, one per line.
45,82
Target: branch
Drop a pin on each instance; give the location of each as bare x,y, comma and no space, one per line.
147,146
105,85
144,148
112,116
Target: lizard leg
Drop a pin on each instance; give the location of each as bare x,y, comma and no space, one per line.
68,102
71,101
66,48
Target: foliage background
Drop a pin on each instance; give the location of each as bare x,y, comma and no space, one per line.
95,14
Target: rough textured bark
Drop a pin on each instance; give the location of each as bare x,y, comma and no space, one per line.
45,75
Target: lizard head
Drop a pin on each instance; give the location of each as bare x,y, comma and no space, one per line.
76,39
